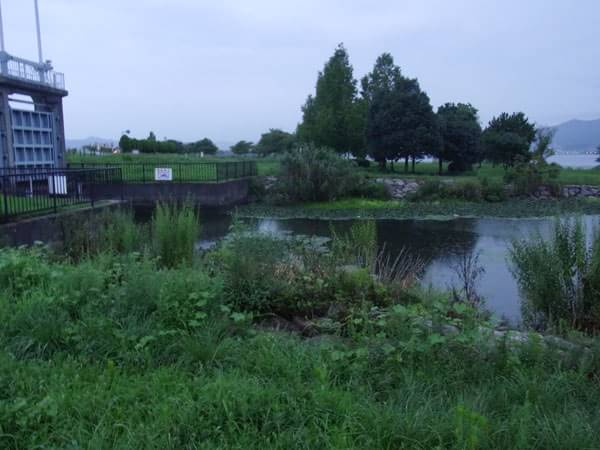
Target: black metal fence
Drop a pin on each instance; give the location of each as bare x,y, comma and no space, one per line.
33,191
184,172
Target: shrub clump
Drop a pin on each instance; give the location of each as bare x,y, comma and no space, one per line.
527,177
314,174
299,277
560,278
469,191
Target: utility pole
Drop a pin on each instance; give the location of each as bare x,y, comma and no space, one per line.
2,49
39,33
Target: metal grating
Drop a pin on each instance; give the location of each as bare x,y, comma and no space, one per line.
32,138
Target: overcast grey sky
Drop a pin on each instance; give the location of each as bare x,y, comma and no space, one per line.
231,69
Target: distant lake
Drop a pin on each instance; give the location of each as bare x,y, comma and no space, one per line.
576,161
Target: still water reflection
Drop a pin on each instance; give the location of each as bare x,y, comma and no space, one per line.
440,243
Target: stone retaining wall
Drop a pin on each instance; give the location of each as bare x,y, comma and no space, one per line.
401,188
581,191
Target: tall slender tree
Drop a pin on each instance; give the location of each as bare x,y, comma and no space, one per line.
332,117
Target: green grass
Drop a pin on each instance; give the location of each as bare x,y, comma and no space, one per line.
266,166
115,352
19,207
271,166
429,170
400,209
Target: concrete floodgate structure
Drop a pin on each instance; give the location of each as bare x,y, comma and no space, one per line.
32,129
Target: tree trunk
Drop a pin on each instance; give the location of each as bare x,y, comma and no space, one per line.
406,164
441,165
413,164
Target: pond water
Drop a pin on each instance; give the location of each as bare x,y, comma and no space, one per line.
440,243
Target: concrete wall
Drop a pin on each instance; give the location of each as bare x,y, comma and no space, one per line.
227,193
45,229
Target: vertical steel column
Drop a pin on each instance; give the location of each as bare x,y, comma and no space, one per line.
2,47
39,32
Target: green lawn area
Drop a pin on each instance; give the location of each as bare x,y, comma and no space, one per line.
429,171
22,207
271,166
266,166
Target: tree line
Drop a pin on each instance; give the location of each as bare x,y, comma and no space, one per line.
387,117
390,118
152,145
274,141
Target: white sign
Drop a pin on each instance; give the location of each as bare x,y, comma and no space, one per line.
163,174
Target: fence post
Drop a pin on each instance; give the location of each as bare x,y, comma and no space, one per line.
92,189
144,173
122,184
5,196
53,192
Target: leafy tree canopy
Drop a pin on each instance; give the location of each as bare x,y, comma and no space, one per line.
508,139
333,116
275,141
460,133
242,148
400,120
205,146
149,145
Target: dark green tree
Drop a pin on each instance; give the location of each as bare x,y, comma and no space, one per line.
508,139
460,133
274,142
332,118
205,146
126,144
400,121
242,148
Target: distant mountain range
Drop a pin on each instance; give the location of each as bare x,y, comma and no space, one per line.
577,136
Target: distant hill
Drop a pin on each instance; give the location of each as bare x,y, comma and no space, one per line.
578,136
80,143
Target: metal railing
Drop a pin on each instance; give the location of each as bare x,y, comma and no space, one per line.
26,192
22,69
164,172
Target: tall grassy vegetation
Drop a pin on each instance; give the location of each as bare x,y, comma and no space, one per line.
107,231
175,230
118,350
560,277
171,236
